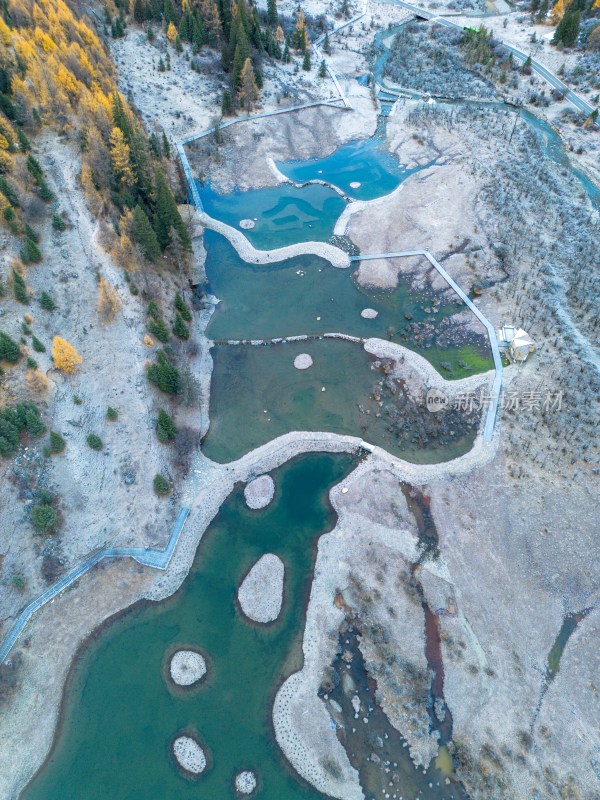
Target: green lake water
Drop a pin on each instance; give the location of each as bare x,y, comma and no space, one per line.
318,298
284,214
365,162
119,717
257,394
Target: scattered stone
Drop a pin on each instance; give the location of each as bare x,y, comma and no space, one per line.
303,361
247,224
369,313
245,782
261,592
187,667
259,492
190,756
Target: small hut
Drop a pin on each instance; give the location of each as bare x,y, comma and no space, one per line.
519,343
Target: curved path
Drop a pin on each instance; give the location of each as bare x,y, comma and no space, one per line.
159,559
579,102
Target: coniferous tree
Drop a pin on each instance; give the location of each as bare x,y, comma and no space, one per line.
164,375
165,427
139,11
272,12
166,215
322,70
226,103
182,308
144,235
180,329
287,56
166,146
306,61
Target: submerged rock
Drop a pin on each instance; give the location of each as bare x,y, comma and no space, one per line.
190,756
369,313
187,667
261,592
259,492
303,361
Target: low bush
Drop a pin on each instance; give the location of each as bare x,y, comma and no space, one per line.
162,487
44,518
20,289
94,441
180,305
37,345
112,413
57,443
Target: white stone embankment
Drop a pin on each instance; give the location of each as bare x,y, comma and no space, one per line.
259,492
381,348
190,756
261,592
335,256
187,667
284,179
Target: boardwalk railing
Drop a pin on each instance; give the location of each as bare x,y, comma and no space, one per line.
490,421
159,559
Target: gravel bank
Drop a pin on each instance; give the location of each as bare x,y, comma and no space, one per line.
261,592
259,492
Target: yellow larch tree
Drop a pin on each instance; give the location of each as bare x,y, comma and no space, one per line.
119,155
249,90
171,33
108,300
65,356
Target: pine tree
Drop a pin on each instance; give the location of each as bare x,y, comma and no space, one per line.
165,427
180,329
166,215
166,146
180,305
144,235
164,375
158,329
9,349
161,65
139,11
306,61
272,12
226,103
322,70
326,45
287,56
169,13
242,52
161,485
178,45
47,303
20,289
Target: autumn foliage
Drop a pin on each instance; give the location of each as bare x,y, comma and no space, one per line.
108,300
65,356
